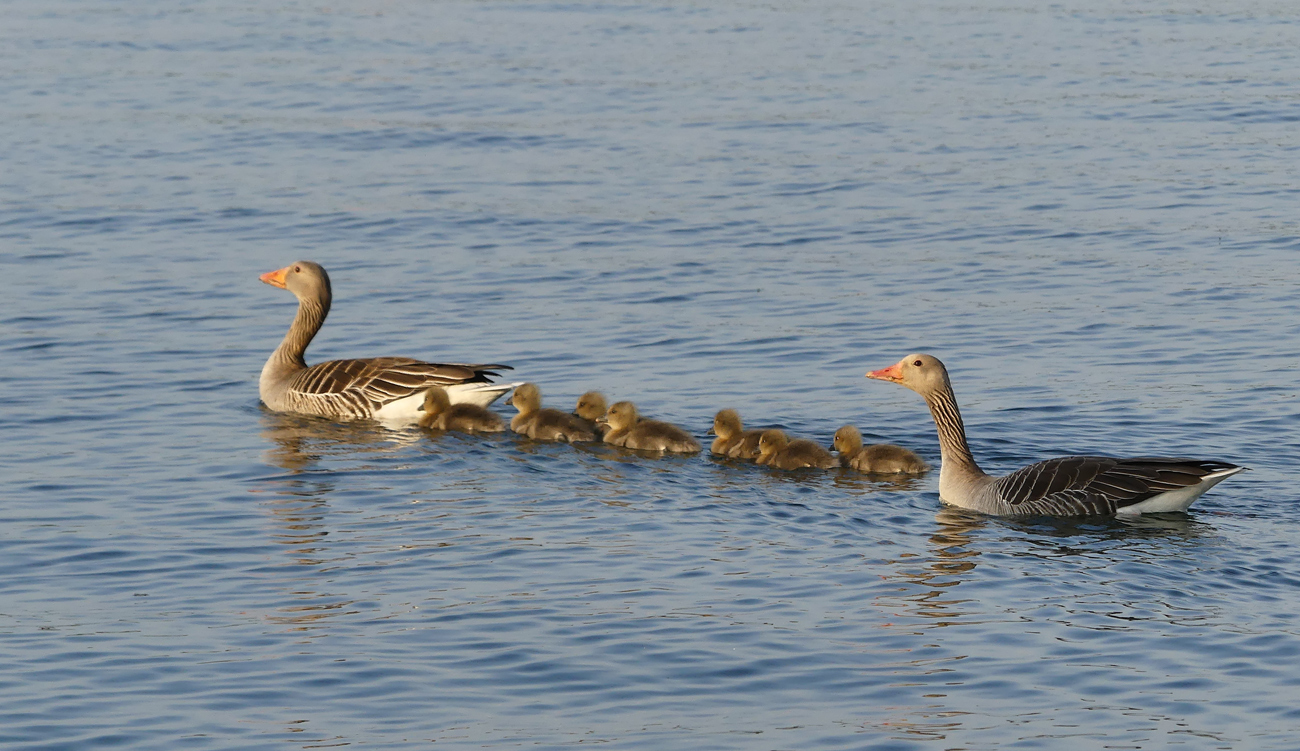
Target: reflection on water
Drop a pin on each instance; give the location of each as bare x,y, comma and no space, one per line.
302,442
932,579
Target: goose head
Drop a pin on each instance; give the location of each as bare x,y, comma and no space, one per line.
305,279
923,374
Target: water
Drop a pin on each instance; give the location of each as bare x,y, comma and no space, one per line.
1088,211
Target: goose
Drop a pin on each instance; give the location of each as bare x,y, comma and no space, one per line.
626,428
441,414
732,438
880,458
775,449
390,389
591,407
1068,486
544,424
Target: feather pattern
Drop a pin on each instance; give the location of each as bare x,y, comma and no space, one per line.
1087,485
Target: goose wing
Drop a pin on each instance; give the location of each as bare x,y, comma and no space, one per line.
1083,485
359,387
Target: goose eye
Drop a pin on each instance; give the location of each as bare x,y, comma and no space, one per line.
297,268
917,363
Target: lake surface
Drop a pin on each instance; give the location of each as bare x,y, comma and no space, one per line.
1088,211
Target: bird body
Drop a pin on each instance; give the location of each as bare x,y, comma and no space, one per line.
880,458
542,424
441,414
733,440
628,429
778,451
389,389
1068,486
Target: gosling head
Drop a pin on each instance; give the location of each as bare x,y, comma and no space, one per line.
847,439
436,401
727,423
527,398
770,442
621,415
591,406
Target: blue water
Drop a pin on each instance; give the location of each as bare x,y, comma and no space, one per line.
1088,212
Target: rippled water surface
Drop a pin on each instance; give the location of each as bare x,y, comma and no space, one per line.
1089,211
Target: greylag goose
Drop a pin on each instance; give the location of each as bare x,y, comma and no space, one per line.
591,407
732,438
880,458
544,424
390,389
441,414
775,449
626,428
1069,486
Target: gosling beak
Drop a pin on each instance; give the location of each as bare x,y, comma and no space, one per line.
893,374
275,278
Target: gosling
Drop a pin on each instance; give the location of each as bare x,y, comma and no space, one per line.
626,428
441,414
732,438
881,458
544,424
591,407
776,450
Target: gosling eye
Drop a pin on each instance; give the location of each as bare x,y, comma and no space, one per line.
917,363
297,268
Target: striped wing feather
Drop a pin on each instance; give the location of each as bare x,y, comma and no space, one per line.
1076,485
359,387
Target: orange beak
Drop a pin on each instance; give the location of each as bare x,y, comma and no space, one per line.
893,374
275,278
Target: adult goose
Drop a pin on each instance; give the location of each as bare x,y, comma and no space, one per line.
1069,486
390,389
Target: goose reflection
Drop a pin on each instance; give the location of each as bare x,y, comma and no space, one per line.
302,441
932,579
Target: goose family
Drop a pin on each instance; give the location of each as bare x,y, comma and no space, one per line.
388,389
1067,486
455,396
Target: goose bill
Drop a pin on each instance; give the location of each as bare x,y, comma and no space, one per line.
275,278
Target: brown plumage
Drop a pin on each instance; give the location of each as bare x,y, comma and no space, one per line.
385,388
1067,486
591,407
441,414
880,458
544,424
777,450
732,438
626,428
